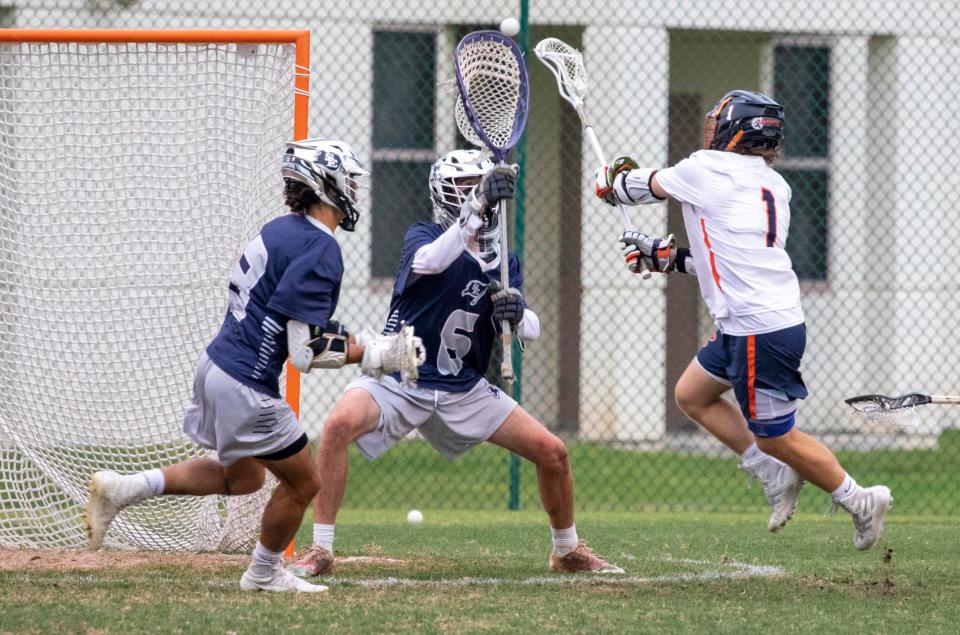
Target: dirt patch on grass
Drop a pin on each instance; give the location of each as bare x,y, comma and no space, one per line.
78,560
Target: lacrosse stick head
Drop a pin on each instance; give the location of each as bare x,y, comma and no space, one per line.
880,404
494,91
566,64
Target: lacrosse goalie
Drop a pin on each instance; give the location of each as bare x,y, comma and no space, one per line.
736,211
282,294
447,288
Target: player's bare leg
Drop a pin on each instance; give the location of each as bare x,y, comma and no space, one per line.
700,397
281,519
200,476
354,414
521,434
816,463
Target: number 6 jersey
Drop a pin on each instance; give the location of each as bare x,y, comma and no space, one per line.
450,311
737,213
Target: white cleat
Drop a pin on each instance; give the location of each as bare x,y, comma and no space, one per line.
782,486
282,582
110,493
868,507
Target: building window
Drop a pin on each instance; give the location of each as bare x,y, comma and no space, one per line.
801,82
404,103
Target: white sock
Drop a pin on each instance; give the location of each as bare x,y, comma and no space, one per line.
155,481
264,562
564,540
751,454
847,488
323,536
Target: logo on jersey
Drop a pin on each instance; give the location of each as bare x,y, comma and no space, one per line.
329,160
474,290
494,391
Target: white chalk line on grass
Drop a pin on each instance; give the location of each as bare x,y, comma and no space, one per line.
734,570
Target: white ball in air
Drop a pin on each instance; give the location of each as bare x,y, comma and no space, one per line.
414,517
510,26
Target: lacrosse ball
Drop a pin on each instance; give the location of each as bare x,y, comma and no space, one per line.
414,517
510,26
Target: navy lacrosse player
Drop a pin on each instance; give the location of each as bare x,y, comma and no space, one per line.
736,211
446,287
282,295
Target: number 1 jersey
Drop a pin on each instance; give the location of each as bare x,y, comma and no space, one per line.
450,311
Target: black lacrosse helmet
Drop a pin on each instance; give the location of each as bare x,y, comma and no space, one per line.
746,120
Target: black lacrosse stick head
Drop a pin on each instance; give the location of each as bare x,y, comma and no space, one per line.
882,403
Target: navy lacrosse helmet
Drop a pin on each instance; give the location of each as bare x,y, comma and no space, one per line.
745,120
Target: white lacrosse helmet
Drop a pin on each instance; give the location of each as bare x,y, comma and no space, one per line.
332,170
452,177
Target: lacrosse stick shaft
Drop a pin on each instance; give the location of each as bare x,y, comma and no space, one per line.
945,399
592,138
506,366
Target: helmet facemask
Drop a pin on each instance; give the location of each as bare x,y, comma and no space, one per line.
452,179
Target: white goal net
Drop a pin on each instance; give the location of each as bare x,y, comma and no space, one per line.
131,176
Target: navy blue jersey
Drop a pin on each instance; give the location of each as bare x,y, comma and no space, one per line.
292,269
450,311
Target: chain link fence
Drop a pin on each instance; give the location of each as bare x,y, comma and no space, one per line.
869,89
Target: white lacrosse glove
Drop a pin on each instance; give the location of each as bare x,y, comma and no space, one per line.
401,352
607,176
317,346
645,253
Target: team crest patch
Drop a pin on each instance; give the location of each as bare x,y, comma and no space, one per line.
759,123
329,160
494,391
474,290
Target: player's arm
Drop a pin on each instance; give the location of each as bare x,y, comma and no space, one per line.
624,181
508,304
331,346
496,185
327,346
644,253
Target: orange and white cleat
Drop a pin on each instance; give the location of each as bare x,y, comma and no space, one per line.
313,561
581,558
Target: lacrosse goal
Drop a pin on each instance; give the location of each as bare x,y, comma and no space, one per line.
134,166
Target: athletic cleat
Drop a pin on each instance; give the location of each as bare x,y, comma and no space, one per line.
782,486
313,561
867,508
109,493
581,558
282,582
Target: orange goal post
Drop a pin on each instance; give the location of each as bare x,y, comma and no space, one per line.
134,167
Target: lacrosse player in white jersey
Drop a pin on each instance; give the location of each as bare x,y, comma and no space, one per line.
282,295
736,211
447,288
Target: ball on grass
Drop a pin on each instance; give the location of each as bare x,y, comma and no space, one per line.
414,517
510,26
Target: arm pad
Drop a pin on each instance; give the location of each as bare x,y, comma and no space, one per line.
632,187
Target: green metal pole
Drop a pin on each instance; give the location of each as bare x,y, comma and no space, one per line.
520,208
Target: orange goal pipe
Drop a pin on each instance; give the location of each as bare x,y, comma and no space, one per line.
300,40
160,36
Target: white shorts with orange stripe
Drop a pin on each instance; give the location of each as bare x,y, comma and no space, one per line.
764,372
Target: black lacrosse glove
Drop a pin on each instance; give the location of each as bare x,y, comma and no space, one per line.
331,337
507,304
497,185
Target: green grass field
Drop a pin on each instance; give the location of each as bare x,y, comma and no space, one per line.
486,571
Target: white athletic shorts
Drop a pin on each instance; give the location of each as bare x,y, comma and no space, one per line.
452,422
236,420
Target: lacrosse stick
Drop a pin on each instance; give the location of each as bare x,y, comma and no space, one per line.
491,112
566,63
880,404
